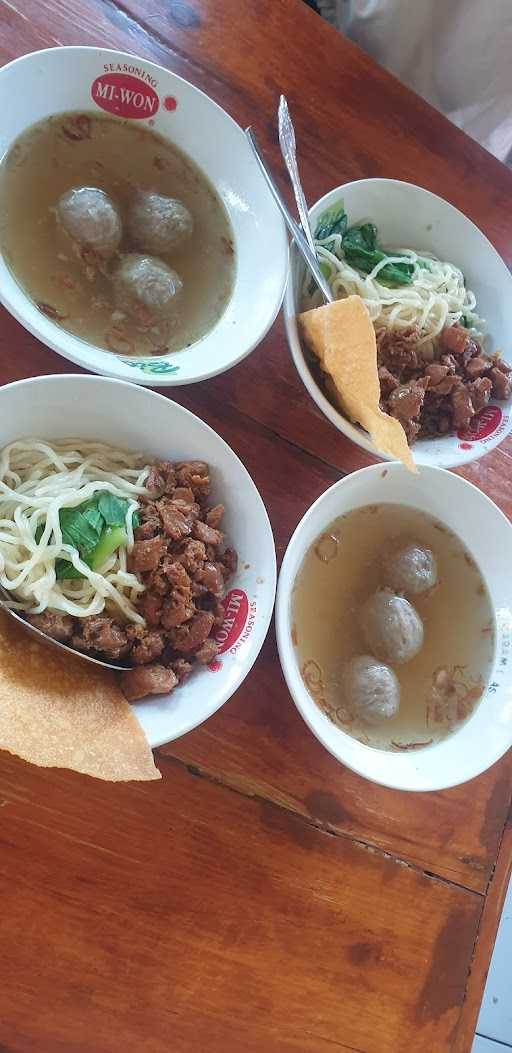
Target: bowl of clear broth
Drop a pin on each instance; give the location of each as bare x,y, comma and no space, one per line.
394,626
137,236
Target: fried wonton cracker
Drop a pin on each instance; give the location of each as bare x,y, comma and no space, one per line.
60,712
342,337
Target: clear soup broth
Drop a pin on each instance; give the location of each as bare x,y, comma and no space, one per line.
92,150
442,685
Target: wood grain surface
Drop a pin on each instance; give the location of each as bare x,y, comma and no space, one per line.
261,898
258,744
226,923
486,936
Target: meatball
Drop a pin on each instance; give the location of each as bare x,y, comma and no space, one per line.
146,288
411,569
159,224
371,688
391,627
91,218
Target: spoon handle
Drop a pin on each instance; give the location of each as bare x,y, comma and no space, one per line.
293,227
6,597
289,152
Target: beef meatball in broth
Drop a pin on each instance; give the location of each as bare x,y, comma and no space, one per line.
392,627
371,689
411,569
158,224
146,288
91,218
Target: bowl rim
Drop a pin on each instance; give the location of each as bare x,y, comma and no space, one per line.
354,432
347,750
49,333
223,696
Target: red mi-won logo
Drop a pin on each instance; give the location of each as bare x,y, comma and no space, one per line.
124,95
236,608
483,424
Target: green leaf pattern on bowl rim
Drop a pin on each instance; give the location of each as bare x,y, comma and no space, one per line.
150,367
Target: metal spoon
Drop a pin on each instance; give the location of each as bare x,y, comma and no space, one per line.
289,151
5,595
295,229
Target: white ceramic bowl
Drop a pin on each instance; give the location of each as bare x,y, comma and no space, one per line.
409,216
488,535
137,419
80,78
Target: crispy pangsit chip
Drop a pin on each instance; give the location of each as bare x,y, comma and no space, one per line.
342,336
60,712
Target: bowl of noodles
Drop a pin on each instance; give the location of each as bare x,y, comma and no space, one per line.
437,294
131,532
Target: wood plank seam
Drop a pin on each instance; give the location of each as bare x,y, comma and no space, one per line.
201,773
235,411
262,791
142,24
327,1041
506,825
158,39
300,449
195,771
486,934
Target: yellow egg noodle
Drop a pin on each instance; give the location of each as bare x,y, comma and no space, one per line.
437,296
39,478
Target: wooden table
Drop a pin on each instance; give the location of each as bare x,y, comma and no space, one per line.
261,898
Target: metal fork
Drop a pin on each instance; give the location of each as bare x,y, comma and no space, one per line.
295,229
